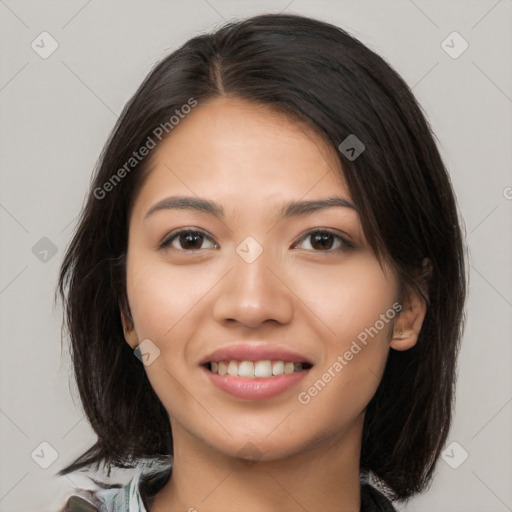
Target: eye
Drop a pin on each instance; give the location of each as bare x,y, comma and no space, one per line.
323,240
187,240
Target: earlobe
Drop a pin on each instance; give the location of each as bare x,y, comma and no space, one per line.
129,332
407,326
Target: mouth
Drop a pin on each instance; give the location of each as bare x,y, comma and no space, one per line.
255,371
262,369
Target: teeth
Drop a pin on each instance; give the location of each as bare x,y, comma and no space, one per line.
223,369
257,369
288,368
233,368
246,369
278,368
263,369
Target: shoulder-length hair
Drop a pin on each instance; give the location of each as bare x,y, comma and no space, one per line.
322,76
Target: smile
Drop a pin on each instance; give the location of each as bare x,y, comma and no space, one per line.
255,369
255,380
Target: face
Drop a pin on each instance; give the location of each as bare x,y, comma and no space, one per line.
246,284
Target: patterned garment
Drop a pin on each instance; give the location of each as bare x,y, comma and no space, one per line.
119,499
128,499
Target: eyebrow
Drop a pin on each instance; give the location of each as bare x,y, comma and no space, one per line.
290,209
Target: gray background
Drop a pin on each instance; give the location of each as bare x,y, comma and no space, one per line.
56,114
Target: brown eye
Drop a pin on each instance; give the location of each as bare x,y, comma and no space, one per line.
325,241
186,240
190,241
322,241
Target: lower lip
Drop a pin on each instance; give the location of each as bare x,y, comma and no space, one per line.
257,388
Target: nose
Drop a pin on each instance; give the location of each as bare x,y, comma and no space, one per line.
253,293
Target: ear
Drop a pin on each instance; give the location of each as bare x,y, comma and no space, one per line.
407,325
129,332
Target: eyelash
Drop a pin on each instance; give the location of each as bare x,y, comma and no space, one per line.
343,245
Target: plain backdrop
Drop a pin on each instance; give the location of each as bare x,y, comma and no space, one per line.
56,114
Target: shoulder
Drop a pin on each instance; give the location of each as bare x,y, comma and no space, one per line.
126,497
115,499
81,502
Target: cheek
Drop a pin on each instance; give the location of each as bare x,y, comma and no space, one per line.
348,299
162,299
357,305
164,307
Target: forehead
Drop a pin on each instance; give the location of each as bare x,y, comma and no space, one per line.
238,151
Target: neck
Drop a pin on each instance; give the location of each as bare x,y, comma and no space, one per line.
324,476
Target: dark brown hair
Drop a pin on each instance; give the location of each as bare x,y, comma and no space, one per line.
322,76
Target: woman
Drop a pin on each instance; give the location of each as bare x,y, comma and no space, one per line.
273,234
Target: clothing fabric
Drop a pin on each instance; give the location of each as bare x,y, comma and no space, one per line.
129,498
119,499
126,497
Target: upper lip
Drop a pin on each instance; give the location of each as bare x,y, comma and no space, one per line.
255,352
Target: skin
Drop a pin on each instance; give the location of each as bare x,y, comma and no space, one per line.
296,294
